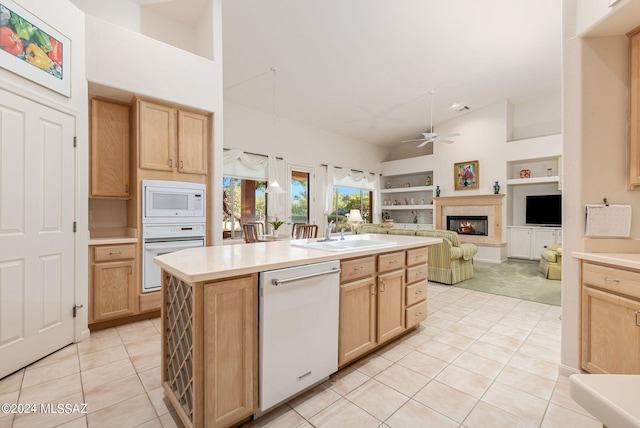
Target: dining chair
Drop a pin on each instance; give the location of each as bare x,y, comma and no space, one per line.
259,225
251,234
306,231
294,228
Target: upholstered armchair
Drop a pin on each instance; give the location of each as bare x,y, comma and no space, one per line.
551,262
451,261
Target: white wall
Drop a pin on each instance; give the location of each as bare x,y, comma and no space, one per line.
537,117
251,130
123,12
595,86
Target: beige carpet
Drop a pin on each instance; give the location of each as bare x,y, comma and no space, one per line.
513,278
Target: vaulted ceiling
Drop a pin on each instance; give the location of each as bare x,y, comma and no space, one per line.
363,68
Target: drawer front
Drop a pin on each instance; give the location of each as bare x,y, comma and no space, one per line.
613,279
357,268
114,252
416,292
416,313
417,273
390,261
417,256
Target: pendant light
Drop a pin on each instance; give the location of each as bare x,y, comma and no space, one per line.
274,186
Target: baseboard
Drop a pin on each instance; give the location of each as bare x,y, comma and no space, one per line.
564,370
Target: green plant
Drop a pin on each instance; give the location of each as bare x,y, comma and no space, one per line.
276,224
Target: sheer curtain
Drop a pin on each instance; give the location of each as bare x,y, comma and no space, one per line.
254,167
344,177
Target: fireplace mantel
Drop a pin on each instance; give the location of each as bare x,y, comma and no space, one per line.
489,205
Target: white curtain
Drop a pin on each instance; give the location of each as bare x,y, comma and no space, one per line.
255,167
344,177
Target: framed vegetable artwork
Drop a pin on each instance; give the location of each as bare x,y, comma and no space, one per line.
32,49
466,175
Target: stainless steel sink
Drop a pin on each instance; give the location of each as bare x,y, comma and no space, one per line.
346,245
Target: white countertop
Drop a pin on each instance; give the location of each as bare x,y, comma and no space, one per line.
222,261
628,260
613,399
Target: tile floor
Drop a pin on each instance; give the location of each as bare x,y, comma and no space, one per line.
479,360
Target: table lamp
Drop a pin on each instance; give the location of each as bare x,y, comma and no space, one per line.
354,218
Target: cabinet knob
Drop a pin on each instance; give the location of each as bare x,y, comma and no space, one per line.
181,164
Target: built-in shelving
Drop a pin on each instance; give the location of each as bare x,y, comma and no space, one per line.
407,189
408,207
534,180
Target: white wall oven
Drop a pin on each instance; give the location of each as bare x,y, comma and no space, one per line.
174,219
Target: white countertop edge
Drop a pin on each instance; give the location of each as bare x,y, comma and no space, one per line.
612,399
107,241
224,261
628,260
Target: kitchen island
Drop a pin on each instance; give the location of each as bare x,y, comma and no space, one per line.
210,314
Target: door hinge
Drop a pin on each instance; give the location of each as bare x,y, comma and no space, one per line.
75,141
75,310
75,226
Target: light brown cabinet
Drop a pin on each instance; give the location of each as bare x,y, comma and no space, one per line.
109,149
230,349
172,140
633,144
210,344
376,304
610,333
112,288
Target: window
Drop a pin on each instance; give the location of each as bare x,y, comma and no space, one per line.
346,199
299,196
244,201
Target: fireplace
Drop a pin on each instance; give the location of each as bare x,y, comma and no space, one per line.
476,225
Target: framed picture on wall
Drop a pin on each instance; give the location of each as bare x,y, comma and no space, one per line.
466,175
32,49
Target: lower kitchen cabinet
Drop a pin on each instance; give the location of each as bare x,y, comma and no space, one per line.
358,315
390,305
210,349
230,350
380,306
610,334
526,242
113,285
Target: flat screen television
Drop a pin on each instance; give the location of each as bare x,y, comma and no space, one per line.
544,210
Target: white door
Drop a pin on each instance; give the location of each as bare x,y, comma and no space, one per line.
37,195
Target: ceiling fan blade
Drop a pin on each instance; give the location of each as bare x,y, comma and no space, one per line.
445,141
413,141
424,142
453,134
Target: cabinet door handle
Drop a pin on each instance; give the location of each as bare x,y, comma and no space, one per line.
171,163
115,253
609,279
130,270
126,188
635,317
384,286
373,289
359,268
181,164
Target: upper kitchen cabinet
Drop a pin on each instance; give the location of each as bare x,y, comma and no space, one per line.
109,149
172,139
633,167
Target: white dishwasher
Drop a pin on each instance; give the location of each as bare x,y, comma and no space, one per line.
299,309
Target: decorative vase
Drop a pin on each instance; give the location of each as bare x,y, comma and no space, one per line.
437,191
496,188
275,233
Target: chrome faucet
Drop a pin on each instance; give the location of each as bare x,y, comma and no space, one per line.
342,234
327,236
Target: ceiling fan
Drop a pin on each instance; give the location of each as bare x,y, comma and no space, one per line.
428,137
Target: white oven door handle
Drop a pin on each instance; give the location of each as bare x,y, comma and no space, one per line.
172,246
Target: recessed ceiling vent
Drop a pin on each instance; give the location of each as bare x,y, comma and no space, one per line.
459,107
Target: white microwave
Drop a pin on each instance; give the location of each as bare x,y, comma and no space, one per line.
173,202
